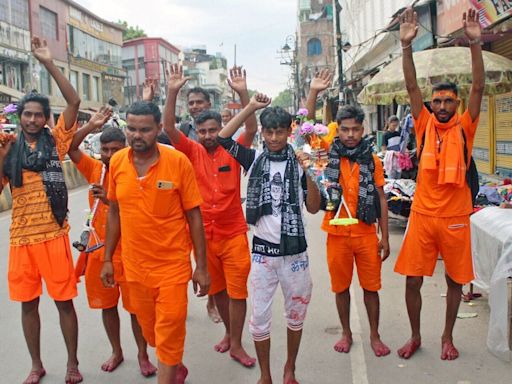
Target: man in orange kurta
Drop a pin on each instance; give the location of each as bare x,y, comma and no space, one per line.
218,176
351,157
439,221
39,242
154,203
96,172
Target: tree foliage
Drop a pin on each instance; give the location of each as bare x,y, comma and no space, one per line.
131,32
283,100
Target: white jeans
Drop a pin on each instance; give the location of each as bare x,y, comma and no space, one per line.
292,272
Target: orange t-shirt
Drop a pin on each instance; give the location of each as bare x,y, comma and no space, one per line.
156,242
349,181
32,217
91,169
218,176
442,200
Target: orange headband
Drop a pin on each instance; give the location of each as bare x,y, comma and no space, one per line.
445,94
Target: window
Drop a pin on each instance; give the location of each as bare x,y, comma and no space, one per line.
95,88
314,47
48,23
73,79
19,13
86,91
88,47
46,82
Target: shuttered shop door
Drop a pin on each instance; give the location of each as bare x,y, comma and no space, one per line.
503,124
483,139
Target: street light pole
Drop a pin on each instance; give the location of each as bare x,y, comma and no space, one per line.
339,51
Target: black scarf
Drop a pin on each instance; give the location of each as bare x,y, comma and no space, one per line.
368,206
259,200
45,159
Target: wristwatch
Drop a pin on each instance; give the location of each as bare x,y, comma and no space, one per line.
475,41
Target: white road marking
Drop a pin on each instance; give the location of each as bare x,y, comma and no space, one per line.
357,359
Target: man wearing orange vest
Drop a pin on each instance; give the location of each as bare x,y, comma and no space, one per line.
439,221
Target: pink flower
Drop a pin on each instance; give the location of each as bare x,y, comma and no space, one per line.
302,112
11,108
306,128
321,130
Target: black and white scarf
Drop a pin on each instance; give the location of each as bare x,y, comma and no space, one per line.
368,206
45,159
259,200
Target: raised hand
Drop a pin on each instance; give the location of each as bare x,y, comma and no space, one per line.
101,117
40,50
175,78
148,89
408,26
471,24
321,81
237,79
259,101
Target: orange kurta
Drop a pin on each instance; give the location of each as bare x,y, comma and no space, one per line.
32,217
442,200
218,177
156,242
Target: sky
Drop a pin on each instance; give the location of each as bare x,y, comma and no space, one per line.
259,28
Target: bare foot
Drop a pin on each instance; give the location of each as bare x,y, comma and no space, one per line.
289,375
223,345
112,363
264,381
73,376
146,368
343,346
242,357
409,348
35,376
213,314
379,348
448,351
181,374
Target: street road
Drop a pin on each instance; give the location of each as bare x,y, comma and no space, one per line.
317,363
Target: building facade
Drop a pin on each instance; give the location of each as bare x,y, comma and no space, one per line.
208,72
15,74
148,58
315,41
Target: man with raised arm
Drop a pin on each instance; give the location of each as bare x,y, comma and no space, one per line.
439,221
39,242
278,188
96,172
218,176
154,202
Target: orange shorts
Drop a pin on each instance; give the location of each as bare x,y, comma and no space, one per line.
100,297
428,236
229,264
50,260
342,251
162,313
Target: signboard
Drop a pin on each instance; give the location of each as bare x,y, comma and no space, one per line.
449,15
492,11
94,27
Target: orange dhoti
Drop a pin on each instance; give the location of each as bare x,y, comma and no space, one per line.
343,251
229,264
51,261
427,237
162,313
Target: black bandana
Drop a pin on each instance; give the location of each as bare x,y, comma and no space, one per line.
45,159
259,199
368,206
